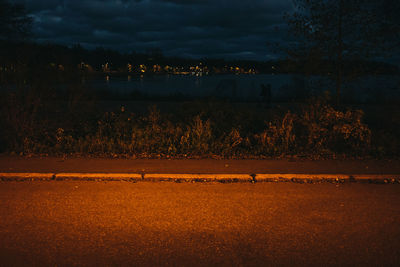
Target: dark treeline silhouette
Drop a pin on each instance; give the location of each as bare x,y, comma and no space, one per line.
39,55
336,38
14,22
22,60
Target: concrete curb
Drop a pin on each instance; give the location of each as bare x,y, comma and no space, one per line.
182,177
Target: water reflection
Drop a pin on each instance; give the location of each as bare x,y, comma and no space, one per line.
248,86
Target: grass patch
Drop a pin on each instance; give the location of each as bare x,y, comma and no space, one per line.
40,122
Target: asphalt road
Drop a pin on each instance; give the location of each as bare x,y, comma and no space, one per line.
64,223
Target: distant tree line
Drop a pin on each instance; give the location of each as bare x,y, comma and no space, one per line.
328,45
15,55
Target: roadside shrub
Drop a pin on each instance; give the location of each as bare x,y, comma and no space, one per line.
327,130
316,129
24,117
197,138
232,144
279,138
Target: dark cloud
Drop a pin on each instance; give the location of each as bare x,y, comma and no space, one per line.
196,28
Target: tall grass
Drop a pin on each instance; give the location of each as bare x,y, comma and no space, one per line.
30,125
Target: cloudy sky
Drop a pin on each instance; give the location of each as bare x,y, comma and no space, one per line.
191,28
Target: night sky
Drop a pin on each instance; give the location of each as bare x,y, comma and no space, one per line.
230,29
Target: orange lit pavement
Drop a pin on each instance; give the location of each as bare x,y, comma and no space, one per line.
52,219
81,223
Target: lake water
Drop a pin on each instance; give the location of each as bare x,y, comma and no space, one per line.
248,87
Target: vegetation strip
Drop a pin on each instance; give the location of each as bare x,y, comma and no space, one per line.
276,177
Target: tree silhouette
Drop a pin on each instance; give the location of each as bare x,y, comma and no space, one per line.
342,31
14,21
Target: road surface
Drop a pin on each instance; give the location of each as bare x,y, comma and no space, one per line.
65,223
